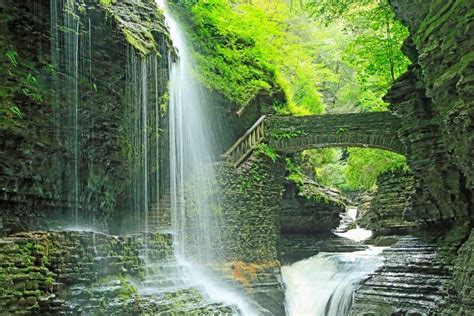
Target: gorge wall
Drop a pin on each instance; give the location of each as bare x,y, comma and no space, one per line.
74,77
434,100
82,273
308,210
390,205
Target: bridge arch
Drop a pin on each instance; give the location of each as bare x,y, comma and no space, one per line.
290,134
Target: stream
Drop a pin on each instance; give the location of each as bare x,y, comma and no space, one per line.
323,285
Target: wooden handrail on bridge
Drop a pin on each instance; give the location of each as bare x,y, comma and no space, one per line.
244,146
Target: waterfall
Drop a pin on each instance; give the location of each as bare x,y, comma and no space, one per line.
323,285
196,219
356,234
141,77
65,56
192,152
85,123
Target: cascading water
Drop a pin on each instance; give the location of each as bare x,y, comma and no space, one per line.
356,234
193,148
324,285
142,127
85,133
191,155
65,58
82,126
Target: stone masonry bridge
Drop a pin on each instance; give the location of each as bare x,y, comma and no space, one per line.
290,134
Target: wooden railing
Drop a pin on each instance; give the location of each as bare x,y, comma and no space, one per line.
244,146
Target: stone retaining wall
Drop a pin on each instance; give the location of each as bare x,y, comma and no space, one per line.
251,197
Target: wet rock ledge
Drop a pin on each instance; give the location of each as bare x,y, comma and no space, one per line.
412,281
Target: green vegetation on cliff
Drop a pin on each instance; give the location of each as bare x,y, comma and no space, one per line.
323,57
248,49
140,26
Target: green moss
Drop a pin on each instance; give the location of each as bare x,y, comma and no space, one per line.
127,290
440,16
107,2
455,69
230,56
138,22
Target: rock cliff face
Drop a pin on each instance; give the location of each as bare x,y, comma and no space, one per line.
309,211
390,204
460,296
434,99
72,151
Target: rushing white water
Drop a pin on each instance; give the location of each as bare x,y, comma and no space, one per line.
324,284
356,234
191,156
195,219
352,212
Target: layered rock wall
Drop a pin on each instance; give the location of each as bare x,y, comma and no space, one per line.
53,167
411,281
50,273
309,211
460,296
390,205
434,99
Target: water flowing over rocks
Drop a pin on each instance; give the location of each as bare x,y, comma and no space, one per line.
118,83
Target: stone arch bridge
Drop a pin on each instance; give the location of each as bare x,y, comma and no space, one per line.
289,134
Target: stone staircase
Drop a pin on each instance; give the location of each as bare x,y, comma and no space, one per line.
159,215
244,146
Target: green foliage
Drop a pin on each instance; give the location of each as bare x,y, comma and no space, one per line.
364,165
245,49
252,177
127,290
295,173
325,166
263,148
229,58
287,133
372,53
354,169
20,82
107,2
12,56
